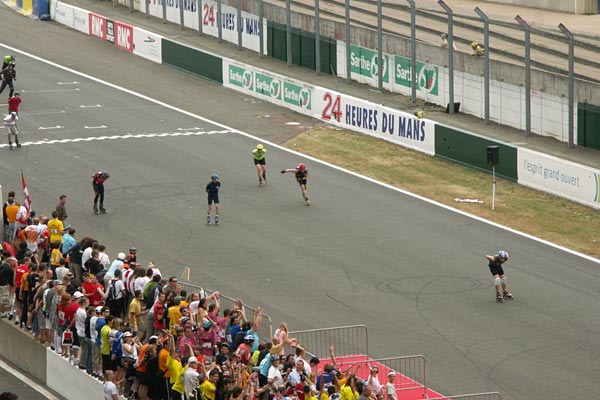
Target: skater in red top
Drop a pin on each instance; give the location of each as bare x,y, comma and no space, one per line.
495,264
98,184
301,174
14,102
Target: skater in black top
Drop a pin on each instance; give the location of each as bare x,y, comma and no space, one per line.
301,174
495,264
212,188
98,184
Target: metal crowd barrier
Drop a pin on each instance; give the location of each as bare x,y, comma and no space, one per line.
348,340
265,332
410,371
473,396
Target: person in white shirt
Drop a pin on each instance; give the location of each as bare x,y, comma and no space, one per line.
191,378
111,392
85,355
87,254
102,256
390,389
274,377
10,122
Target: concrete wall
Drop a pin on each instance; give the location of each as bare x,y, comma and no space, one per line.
569,6
20,349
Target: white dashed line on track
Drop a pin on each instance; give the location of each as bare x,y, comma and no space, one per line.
126,136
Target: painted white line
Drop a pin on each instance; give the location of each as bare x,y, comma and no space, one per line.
45,128
49,90
229,129
292,123
126,136
94,106
95,127
68,83
188,129
44,112
23,378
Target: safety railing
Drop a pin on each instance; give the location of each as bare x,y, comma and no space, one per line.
347,340
265,331
410,371
473,396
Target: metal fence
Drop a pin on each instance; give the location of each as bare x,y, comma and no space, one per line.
347,340
410,371
265,332
473,396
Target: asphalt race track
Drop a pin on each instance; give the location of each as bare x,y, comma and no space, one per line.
362,253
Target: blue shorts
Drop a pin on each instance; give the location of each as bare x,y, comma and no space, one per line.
213,198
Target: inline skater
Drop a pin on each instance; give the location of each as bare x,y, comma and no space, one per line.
98,184
212,188
260,163
301,174
495,264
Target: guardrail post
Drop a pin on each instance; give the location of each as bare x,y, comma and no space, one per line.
181,22
413,50
261,32
131,6
219,21
239,24
164,9
450,56
380,60
288,31
317,38
199,18
486,64
569,35
347,18
527,30
146,8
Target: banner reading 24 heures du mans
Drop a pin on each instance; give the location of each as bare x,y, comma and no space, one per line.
374,119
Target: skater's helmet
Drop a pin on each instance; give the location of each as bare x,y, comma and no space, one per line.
260,147
301,167
133,250
474,45
214,177
503,254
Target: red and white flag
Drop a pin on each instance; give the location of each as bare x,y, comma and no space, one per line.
26,192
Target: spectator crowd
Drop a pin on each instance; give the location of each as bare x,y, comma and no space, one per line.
142,334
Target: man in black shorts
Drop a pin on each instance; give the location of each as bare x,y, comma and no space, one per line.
495,264
213,197
301,175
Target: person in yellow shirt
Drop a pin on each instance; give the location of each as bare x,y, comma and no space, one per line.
136,312
209,386
174,313
11,216
55,257
55,228
349,391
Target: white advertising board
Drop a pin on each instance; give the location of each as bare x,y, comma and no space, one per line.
147,44
68,15
250,22
374,119
563,178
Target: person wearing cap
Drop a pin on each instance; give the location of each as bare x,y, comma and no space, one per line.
274,376
244,350
209,386
212,188
390,388
10,122
115,295
116,264
208,339
191,379
260,162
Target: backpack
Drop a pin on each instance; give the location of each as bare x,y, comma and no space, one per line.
112,291
100,275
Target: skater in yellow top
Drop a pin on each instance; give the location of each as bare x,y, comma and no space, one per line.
261,163
301,174
495,264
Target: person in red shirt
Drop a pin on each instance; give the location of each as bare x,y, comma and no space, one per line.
159,313
66,316
92,290
14,102
19,272
98,184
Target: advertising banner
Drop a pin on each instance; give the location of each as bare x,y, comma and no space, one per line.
62,13
268,86
365,63
250,24
81,20
147,44
123,36
563,178
373,119
427,75
97,26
